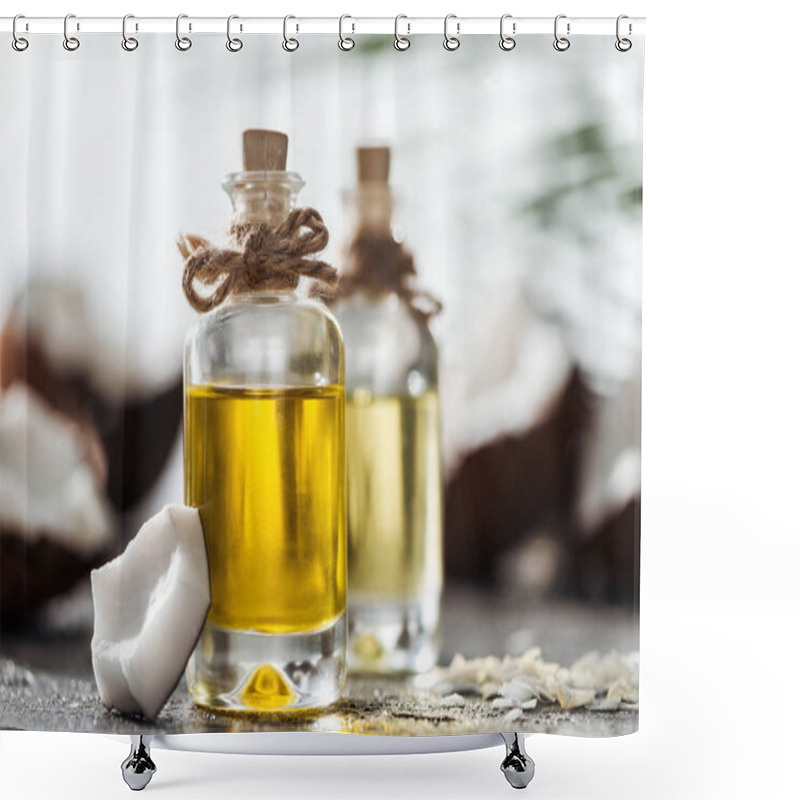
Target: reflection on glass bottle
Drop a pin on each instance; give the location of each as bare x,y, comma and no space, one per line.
394,491
264,464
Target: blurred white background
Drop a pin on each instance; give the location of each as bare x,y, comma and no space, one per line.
518,182
720,599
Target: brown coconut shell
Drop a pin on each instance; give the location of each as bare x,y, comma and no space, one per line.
605,565
35,571
138,437
508,487
36,567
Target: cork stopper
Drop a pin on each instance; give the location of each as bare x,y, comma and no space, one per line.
373,164
264,151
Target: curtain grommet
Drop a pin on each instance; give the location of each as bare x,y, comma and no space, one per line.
507,42
346,43
623,44
401,43
451,43
233,44
290,44
19,43
129,43
71,43
182,43
561,43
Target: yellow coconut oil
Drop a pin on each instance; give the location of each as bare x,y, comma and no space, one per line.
263,468
394,482
393,496
264,459
394,523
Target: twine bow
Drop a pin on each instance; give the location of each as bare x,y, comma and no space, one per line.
379,265
269,257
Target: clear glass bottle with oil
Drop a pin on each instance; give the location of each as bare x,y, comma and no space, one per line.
264,464
394,489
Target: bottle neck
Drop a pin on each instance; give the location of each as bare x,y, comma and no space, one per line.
263,296
376,265
371,207
261,198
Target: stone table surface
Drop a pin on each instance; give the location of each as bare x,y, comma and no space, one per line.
46,680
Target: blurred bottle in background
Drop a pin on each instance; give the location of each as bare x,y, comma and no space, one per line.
392,429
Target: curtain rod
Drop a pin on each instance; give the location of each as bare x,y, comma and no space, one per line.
350,25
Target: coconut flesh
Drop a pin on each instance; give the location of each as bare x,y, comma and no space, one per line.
48,483
597,682
150,605
55,521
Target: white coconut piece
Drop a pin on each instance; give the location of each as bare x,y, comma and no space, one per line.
599,682
150,605
623,690
571,697
605,704
610,471
453,701
48,485
488,689
513,716
507,373
58,318
516,690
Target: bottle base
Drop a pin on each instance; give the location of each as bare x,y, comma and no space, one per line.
392,636
247,671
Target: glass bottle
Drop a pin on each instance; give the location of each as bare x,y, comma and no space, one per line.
393,457
264,463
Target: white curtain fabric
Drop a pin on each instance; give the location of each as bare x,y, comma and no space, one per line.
519,171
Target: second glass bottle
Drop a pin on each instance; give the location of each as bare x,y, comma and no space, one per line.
394,490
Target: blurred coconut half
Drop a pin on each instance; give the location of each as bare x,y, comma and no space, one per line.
55,520
48,341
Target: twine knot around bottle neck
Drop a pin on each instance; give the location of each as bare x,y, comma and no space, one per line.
379,265
265,257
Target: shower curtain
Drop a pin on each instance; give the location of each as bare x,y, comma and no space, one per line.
518,178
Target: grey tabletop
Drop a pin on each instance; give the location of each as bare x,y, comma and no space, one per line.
46,680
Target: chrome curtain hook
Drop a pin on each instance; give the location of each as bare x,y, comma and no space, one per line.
345,42
129,43
183,43
401,42
289,44
451,43
561,43
507,42
234,45
71,43
623,45
18,42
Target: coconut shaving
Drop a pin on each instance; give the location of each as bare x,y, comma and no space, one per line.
596,682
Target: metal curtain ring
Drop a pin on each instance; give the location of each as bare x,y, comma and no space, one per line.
18,42
129,43
345,42
451,42
401,42
71,43
234,45
289,44
561,43
507,42
623,45
183,43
